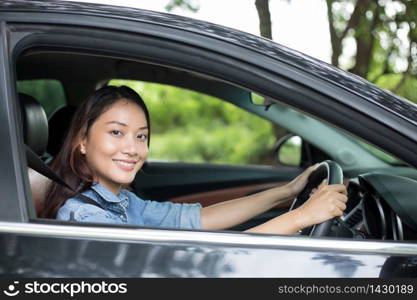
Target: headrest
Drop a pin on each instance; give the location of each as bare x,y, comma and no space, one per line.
35,124
59,124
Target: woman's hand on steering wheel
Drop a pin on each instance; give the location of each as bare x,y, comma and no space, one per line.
318,204
327,202
299,182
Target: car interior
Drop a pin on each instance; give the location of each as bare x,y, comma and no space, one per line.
380,194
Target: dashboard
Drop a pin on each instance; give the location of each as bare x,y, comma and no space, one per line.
380,206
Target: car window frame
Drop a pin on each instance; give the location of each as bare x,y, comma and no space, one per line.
31,40
175,45
15,188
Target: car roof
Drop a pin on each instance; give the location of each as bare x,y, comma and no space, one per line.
354,84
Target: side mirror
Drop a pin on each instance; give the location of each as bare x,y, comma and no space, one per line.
261,100
288,150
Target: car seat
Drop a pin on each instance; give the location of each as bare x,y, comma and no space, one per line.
59,123
35,133
35,124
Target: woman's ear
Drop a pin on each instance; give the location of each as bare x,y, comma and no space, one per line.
82,144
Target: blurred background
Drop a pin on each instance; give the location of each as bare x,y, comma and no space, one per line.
376,40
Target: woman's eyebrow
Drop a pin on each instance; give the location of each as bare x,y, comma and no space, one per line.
123,124
117,122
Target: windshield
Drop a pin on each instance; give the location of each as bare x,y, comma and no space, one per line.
381,154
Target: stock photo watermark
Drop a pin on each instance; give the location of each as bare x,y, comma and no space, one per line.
64,288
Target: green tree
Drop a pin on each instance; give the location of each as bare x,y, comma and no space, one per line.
385,35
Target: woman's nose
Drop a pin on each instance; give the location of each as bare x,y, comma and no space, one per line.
130,146
135,147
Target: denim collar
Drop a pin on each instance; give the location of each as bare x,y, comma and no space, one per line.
108,195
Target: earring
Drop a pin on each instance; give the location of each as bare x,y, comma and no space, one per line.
82,150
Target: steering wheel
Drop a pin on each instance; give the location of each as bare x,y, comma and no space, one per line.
331,171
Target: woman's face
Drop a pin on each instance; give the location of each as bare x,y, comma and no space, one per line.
116,145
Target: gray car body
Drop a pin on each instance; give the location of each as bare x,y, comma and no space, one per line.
38,248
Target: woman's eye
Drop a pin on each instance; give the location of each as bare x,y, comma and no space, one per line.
116,132
142,136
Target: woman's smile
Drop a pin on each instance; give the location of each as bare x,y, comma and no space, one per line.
126,165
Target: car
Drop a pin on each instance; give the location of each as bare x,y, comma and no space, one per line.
54,53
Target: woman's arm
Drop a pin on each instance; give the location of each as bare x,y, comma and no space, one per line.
233,212
227,214
328,202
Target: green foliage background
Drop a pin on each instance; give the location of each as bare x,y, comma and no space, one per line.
189,126
193,127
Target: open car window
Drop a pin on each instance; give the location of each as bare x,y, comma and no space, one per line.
212,140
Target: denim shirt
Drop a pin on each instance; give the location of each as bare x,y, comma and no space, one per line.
127,208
